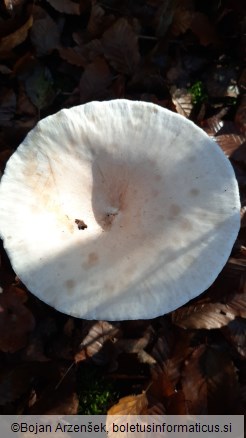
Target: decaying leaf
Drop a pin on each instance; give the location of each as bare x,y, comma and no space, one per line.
130,405
44,33
81,56
101,334
120,45
12,40
95,81
203,316
39,87
65,6
214,124
182,100
203,29
16,321
182,20
235,333
230,143
209,382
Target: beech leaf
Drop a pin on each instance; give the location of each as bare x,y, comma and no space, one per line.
120,44
203,316
95,81
12,40
65,6
209,382
182,100
99,333
44,33
130,405
235,333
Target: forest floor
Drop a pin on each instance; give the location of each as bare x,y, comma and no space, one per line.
184,55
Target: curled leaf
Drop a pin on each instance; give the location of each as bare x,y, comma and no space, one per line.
12,40
120,45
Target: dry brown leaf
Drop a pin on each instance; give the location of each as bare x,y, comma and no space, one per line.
13,5
130,405
182,20
120,45
98,342
203,29
235,333
16,320
237,303
81,56
176,404
230,143
12,40
73,55
44,34
95,81
214,124
203,316
65,6
182,100
209,382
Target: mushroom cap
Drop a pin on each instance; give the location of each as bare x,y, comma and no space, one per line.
118,210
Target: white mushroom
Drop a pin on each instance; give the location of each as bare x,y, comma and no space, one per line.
118,210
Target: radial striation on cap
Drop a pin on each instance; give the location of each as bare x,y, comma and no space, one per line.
118,210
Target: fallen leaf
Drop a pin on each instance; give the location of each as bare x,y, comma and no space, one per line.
203,29
214,124
39,86
120,45
44,34
130,405
65,6
182,99
99,341
235,333
56,390
182,20
176,404
95,81
230,143
209,382
203,316
164,17
12,40
16,320
81,56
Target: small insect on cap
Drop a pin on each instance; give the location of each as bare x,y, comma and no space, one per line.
118,210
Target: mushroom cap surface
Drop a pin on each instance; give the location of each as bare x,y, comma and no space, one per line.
118,210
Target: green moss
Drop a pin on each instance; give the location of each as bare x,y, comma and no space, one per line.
198,92
96,394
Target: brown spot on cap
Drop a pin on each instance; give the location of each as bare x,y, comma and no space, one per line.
186,225
194,192
91,261
70,284
174,211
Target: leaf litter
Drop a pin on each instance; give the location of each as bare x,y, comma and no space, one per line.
185,56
